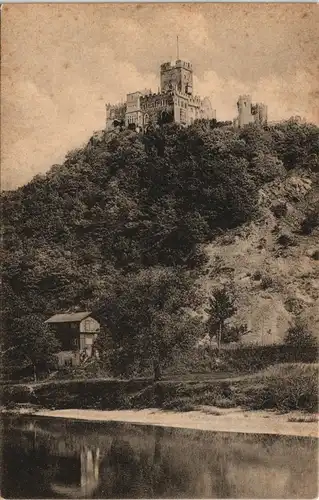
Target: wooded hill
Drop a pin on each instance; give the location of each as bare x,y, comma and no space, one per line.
122,228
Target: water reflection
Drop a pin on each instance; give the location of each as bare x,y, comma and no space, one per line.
47,458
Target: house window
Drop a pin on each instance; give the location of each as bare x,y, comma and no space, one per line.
88,325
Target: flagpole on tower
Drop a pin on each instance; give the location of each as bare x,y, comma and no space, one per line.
177,46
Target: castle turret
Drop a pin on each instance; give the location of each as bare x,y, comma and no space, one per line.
250,113
178,77
260,113
244,110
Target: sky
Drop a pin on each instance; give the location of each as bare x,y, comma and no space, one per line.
60,64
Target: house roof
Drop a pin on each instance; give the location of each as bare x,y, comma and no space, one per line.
68,317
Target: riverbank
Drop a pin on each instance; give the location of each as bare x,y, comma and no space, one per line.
206,418
282,388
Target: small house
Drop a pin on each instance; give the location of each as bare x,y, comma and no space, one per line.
76,333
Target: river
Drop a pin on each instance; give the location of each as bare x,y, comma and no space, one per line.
60,458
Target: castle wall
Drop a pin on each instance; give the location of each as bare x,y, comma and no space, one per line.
260,113
184,109
154,107
181,111
116,112
133,110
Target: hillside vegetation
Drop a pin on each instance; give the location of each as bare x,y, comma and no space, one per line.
140,228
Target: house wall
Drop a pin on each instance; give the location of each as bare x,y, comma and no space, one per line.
89,325
89,329
68,358
86,342
68,335
76,337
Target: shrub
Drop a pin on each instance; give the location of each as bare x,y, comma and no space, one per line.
315,255
293,386
266,282
279,210
299,337
256,357
294,305
223,402
178,405
285,240
283,387
234,333
310,222
257,276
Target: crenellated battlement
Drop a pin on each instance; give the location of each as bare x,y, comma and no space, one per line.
178,64
184,64
193,100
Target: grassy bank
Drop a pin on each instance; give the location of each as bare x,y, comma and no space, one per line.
283,387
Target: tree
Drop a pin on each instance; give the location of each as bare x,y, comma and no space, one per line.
266,167
221,307
296,144
234,333
147,320
29,344
299,336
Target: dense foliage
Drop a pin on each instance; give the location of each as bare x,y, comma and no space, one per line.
147,320
299,337
131,202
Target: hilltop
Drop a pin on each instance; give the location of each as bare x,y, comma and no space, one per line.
169,210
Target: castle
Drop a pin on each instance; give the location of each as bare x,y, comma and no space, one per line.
175,102
249,112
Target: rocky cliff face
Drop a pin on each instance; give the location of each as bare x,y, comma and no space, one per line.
273,266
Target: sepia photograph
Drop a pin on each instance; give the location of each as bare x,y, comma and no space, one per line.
159,251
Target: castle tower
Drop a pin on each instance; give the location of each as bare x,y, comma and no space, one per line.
178,77
260,113
244,110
